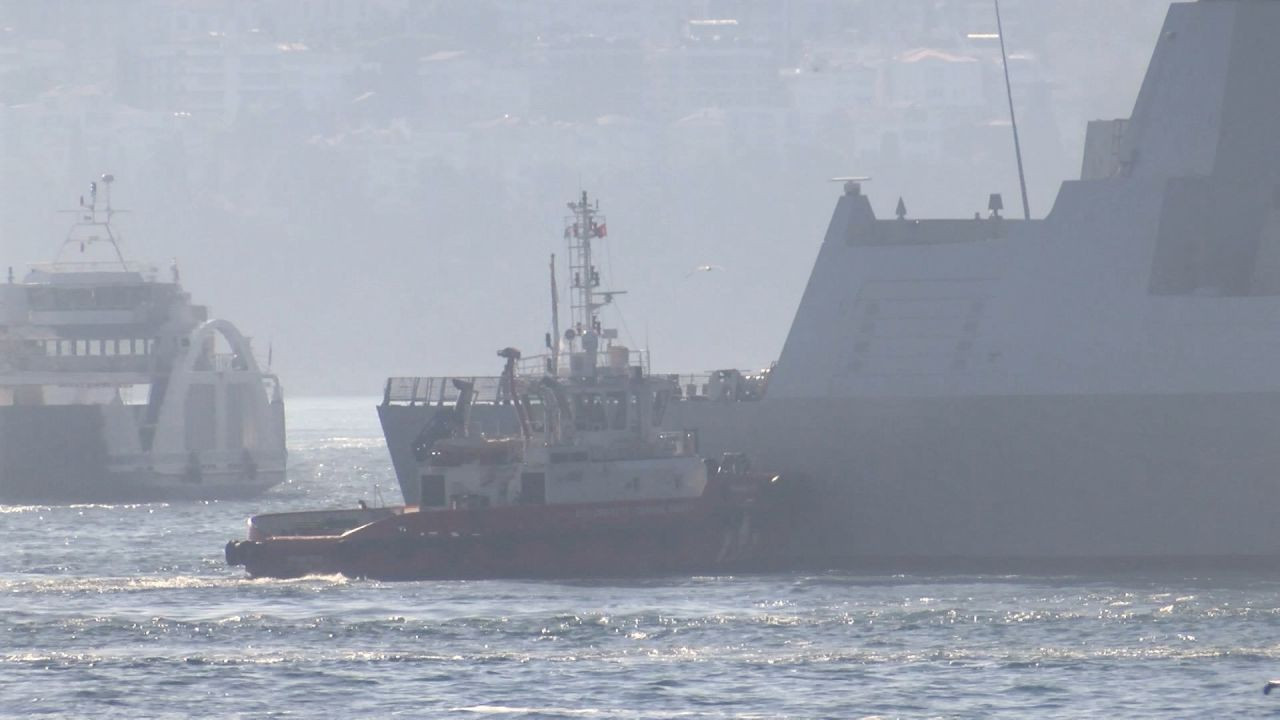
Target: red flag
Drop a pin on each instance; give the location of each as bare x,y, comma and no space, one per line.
601,230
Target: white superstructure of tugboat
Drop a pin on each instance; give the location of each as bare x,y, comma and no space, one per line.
115,387
589,407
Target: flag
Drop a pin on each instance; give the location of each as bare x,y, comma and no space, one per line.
601,230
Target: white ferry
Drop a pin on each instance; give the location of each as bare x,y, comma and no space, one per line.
115,387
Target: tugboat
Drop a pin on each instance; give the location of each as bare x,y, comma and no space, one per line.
115,387
589,485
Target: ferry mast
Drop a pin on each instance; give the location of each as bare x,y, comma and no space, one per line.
93,224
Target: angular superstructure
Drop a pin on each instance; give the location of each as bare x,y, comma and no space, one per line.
1102,382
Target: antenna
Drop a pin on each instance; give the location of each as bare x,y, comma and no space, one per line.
1013,120
852,183
585,296
95,216
555,320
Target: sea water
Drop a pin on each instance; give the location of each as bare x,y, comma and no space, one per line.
129,611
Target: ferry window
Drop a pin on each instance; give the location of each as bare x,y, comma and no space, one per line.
82,348
94,346
65,347
151,346
40,298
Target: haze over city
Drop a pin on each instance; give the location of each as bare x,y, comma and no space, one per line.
373,188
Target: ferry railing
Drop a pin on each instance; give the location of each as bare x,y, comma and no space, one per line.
149,272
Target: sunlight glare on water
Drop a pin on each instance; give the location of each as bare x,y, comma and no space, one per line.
129,611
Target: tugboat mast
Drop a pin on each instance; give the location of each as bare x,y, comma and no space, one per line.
585,300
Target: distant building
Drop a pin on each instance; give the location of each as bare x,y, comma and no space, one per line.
213,77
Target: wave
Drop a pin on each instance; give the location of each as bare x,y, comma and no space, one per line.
6,509
65,585
958,657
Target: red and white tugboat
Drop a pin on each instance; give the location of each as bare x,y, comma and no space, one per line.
589,486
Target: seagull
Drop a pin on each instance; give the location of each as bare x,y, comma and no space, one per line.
703,268
1271,685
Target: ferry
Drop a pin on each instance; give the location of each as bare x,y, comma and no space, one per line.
115,387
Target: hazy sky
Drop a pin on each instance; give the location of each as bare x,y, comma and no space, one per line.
374,188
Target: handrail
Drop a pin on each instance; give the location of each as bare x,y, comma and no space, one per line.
723,385
61,266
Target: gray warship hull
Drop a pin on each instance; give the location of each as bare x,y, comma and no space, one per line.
1102,383
1000,478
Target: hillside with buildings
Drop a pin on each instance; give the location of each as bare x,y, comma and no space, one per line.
373,186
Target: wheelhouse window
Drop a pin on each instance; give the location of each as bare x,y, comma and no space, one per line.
616,404
660,399
589,412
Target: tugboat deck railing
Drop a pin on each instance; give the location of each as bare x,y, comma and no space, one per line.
491,391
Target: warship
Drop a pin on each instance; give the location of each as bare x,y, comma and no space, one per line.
115,387
1101,383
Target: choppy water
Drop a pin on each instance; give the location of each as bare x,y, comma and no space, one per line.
128,611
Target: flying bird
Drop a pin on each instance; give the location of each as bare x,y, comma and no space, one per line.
702,268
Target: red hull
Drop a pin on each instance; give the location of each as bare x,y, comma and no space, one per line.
732,528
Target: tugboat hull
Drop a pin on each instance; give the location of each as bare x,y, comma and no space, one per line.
731,529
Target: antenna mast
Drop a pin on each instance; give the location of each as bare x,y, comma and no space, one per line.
1013,120
96,214
585,299
555,320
